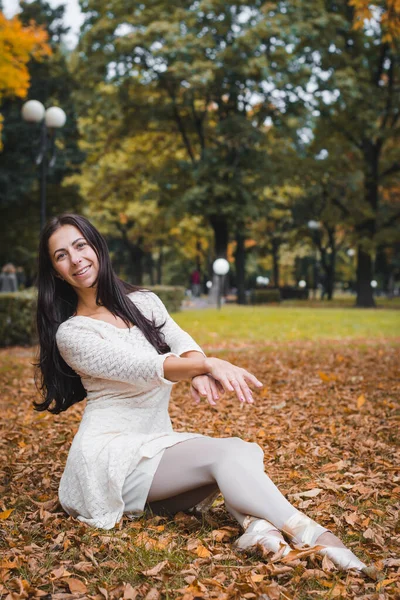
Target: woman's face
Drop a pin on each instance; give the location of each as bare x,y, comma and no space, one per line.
73,259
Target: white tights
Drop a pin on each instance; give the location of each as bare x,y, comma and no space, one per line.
191,470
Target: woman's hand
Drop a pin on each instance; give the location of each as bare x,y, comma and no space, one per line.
204,385
232,378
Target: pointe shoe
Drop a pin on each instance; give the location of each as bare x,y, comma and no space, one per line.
303,531
258,531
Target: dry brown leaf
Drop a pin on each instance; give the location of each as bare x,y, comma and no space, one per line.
76,585
129,592
153,594
156,569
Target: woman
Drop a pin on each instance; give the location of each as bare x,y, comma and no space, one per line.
116,344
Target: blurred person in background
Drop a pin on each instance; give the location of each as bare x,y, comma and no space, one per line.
8,279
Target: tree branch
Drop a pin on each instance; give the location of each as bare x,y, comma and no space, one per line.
391,221
394,168
342,207
178,119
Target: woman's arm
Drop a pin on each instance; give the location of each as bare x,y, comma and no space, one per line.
89,354
180,342
232,378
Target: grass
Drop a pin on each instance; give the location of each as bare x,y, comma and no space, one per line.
235,324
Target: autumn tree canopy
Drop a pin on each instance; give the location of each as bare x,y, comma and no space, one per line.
18,44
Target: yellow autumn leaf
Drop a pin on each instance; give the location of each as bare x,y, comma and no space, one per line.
384,583
6,513
360,401
326,377
202,551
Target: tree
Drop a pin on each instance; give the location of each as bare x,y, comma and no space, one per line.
51,83
18,44
354,76
194,69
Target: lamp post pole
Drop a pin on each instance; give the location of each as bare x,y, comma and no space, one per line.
220,268
314,227
51,119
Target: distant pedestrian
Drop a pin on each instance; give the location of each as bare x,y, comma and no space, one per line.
195,281
8,279
21,277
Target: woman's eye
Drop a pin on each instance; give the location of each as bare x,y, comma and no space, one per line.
81,244
60,256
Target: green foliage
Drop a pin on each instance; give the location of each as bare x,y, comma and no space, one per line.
18,309
17,325
172,296
52,84
259,296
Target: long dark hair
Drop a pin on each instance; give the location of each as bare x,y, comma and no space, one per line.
57,301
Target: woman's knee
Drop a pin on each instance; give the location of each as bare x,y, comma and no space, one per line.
236,448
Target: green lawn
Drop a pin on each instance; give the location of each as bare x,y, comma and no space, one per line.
263,324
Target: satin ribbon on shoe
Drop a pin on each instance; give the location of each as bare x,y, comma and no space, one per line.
258,531
302,530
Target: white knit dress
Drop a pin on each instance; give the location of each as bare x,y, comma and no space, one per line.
125,426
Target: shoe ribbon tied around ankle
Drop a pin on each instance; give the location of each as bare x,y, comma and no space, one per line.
303,530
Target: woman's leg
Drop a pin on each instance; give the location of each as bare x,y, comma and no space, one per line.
238,470
235,466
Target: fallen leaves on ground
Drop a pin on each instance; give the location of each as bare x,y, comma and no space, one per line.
327,419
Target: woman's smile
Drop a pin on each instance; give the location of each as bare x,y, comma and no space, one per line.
82,272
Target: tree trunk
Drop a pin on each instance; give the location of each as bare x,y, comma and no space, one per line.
149,266
136,267
240,264
367,229
219,223
275,259
159,265
330,280
365,298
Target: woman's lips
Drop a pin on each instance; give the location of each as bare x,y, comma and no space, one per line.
82,272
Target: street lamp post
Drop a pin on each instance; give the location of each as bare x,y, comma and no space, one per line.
351,254
314,227
51,119
220,268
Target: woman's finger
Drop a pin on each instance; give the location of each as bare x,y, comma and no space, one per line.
195,394
209,393
214,389
252,379
238,390
246,391
226,384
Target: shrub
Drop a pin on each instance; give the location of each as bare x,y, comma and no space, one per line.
17,310
293,293
171,295
264,296
17,313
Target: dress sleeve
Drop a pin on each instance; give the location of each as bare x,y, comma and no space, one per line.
91,355
178,340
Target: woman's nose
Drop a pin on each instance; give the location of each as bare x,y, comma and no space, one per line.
76,259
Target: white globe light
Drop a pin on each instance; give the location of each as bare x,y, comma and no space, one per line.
209,285
260,280
313,224
302,283
351,252
266,280
33,111
221,266
374,283
55,117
